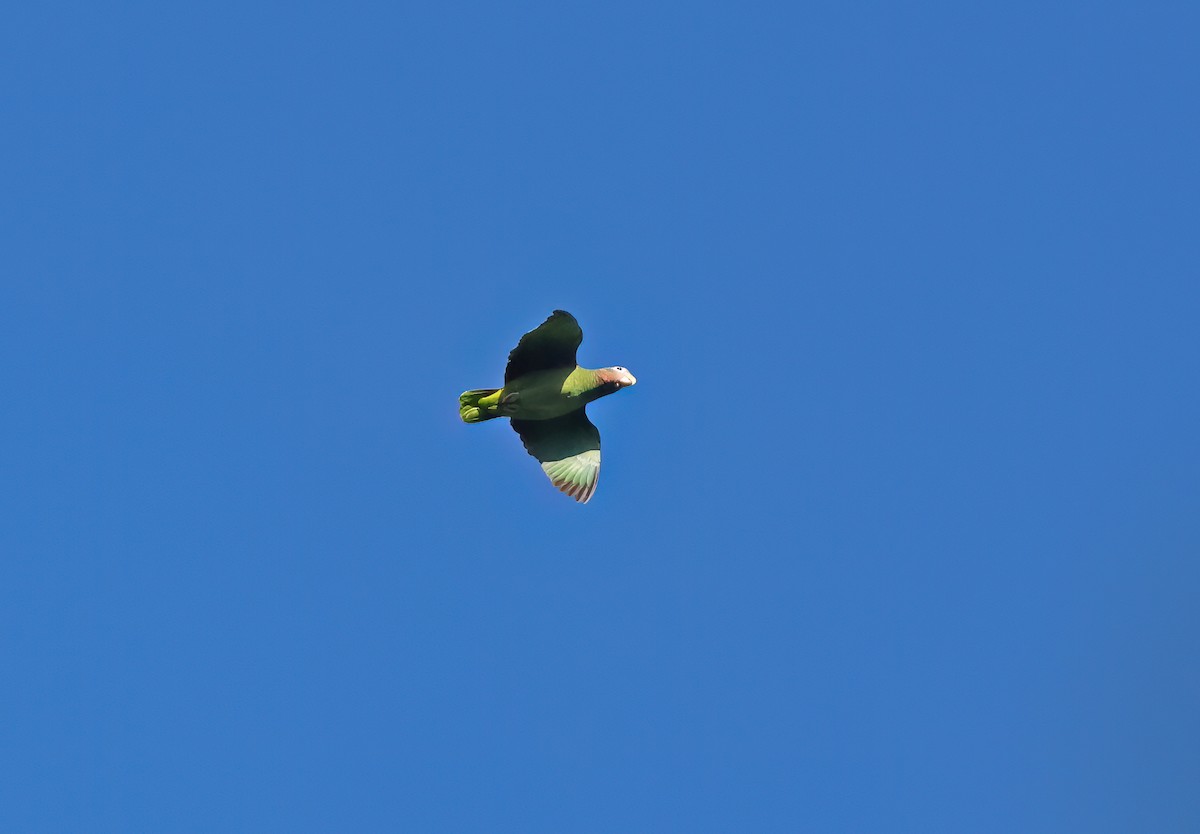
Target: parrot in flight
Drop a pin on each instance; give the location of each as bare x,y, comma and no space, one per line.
545,393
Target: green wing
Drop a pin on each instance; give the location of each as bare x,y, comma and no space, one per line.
568,448
551,345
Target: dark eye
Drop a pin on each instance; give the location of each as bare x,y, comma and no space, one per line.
619,368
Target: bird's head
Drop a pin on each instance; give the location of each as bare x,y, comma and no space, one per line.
618,376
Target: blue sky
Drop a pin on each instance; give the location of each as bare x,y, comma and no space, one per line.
898,531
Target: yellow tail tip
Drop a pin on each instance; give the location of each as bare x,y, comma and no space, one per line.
471,408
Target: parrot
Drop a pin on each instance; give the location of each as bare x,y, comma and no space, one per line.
545,394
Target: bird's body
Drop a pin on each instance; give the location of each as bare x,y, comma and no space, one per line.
545,393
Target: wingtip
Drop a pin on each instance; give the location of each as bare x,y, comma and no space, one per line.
582,493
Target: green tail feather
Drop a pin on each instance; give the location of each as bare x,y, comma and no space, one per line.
473,407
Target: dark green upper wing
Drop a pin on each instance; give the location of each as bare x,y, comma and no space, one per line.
568,448
551,345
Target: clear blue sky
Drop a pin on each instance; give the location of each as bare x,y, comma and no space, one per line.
898,532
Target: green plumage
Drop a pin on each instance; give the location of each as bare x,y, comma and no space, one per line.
471,405
545,393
